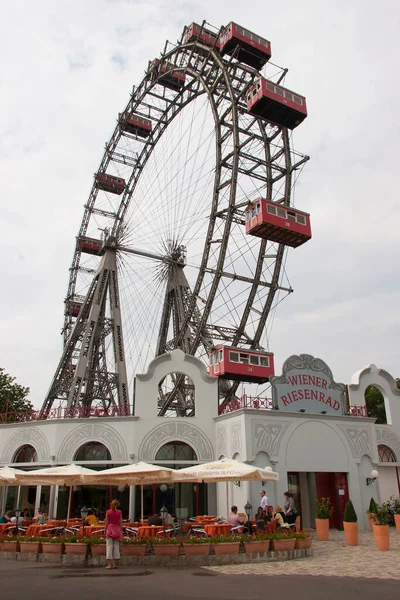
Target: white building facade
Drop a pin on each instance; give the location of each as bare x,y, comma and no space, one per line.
317,449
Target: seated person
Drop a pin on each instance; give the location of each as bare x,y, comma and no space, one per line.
20,520
169,520
41,518
233,518
269,514
91,518
260,519
6,518
280,518
155,520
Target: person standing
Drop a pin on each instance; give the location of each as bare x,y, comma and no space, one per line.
113,530
264,502
289,508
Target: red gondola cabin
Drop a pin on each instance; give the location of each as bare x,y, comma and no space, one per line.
238,364
276,104
73,308
195,32
135,124
90,245
278,223
173,80
110,183
252,49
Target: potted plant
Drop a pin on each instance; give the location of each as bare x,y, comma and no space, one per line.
134,546
29,544
282,540
395,508
303,540
97,545
381,527
197,546
166,546
73,545
52,545
10,544
372,513
225,544
350,524
324,513
259,542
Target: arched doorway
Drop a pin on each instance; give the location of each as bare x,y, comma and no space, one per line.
389,475
25,496
182,500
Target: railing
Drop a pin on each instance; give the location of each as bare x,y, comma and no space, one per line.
63,412
358,411
245,401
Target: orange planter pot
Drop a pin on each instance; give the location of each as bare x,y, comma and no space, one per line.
397,521
257,546
34,547
133,549
55,548
76,548
166,549
322,527
98,549
197,549
381,533
226,548
351,533
303,544
282,545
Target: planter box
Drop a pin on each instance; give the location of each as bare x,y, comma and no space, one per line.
257,546
98,549
78,548
227,548
282,545
197,549
133,549
10,546
166,549
303,544
322,527
30,547
56,548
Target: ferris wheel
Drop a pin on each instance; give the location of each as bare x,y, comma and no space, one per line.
163,258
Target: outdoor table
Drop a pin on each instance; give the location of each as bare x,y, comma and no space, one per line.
88,530
149,531
218,529
46,528
5,526
205,518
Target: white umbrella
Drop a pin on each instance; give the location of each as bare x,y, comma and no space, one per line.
140,473
8,476
225,470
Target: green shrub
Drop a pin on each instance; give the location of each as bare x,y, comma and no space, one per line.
350,515
165,540
372,507
134,541
324,508
197,540
382,515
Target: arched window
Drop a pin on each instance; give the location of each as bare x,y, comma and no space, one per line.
176,451
25,454
386,454
93,451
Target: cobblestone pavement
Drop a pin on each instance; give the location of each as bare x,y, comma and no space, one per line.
334,558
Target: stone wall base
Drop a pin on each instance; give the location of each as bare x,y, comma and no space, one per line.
159,561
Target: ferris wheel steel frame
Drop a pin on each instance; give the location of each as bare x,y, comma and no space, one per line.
225,82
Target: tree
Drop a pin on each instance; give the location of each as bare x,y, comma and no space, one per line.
13,398
376,403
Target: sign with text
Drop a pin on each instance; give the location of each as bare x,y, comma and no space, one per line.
307,385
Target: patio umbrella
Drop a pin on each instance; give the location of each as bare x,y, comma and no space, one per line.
8,476
225,470
140,473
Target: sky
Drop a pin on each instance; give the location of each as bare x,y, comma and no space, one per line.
67,70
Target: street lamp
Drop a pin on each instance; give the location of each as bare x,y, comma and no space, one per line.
18,512
247,509
163,513
373,476
84,514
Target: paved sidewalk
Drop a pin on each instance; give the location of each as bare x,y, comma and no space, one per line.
334,558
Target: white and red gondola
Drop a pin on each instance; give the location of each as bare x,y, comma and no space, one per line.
195,32
165,75
135,124
110,183
73,307
277,223
238,364
246,46
276,104
89,245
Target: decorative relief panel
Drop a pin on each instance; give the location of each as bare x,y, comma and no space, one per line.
222,448
389,438
236,437
267,437
359,440
176,431
27,435
92,432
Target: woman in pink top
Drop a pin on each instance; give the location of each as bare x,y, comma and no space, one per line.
113,527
